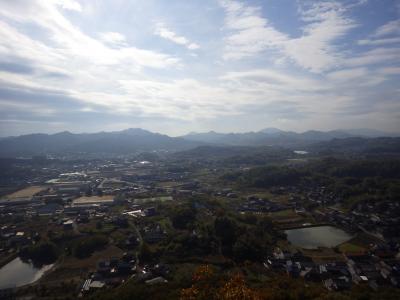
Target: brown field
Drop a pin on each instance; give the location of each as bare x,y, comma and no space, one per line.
323,255
26,192
168,184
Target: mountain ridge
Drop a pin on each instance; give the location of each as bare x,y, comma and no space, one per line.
138,139
119,142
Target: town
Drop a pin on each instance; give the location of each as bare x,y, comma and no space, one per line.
82,227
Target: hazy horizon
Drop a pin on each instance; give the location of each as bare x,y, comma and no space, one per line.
179,66
348,130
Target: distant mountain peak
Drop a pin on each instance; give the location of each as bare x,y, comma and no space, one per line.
271,130
66,132
136,131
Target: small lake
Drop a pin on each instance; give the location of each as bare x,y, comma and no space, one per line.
314,237
18,273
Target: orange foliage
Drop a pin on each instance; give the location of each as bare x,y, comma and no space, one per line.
236,288
205,287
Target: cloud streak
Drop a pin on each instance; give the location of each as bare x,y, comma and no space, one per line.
168,34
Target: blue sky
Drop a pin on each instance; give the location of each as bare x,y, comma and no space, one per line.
178,66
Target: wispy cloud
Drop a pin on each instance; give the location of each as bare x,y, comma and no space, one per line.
69,4
68,43
166,33
378,42
392,27
248,32
113,38
251,34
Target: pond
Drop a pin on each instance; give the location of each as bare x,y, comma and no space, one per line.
18,273
314,237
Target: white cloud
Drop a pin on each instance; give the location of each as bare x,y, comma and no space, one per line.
251,34
392,27
348,74
164,32
379,42
390,71
373,57
316,49
193,46
37,110
69,5
113,38
68,43
357,77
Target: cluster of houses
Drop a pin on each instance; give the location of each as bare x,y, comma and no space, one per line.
11,238
370,218
256,204
114,271
314,194
111,272
341,274
153,233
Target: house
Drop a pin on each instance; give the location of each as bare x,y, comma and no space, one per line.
49,209
19,239
153,234
338,284
68,224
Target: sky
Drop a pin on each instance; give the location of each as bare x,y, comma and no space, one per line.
177,66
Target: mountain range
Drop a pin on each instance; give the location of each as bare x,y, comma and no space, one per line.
136,140
116,142
274,136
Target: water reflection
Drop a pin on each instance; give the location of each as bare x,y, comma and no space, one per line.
314,237
18,273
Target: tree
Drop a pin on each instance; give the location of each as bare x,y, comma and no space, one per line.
236,288
42,253
87,246
205,286
146,254
99,225
225,229
183,217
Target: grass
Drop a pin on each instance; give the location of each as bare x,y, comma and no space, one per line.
290,218
166,224
284,214
350,248
363,240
